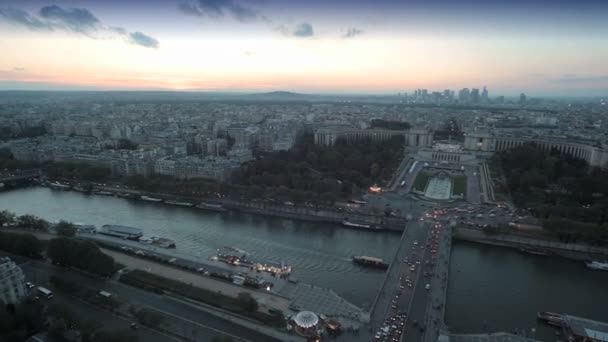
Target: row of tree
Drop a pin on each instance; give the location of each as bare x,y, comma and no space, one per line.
83,255
28,221
314,171
568,194
22,244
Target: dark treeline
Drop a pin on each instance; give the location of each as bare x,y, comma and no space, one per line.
392,125
564,191
310,171
84,255
451,130
27,132
21,244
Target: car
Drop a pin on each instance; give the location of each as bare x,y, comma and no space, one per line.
133,326
427,286
29,285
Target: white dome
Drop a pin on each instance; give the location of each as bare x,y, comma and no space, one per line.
306,319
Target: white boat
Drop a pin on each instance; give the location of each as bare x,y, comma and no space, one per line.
59,186
150,199
596,265
211,206
357,225
183,204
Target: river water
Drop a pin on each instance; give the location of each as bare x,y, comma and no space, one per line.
490,288
500,289
319,253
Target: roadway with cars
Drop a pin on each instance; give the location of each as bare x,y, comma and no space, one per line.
185,315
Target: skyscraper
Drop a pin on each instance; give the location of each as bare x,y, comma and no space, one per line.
475,95
484,95
464,95
522,98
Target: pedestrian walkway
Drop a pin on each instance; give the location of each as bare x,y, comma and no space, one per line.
323,301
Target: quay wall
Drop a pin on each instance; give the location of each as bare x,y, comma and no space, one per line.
326,214
566,250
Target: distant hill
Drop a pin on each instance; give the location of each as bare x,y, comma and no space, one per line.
282,95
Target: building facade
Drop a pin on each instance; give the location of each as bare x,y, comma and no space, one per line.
12,282
486,142
413,137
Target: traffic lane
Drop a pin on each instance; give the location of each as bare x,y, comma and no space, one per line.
88,312
40,273
434,311
419,231
417,311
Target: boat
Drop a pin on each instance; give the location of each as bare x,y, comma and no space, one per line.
183,204
162,242
125,195
597,265
59,186
103,193
551,318
534,251
357,225
150,199
370,261
211,206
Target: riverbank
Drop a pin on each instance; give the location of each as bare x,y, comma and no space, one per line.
534,245
346,219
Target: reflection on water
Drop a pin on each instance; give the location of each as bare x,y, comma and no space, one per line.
319,253
501,289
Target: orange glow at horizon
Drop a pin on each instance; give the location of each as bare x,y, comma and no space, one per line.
363,64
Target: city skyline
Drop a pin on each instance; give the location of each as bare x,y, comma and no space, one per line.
381,47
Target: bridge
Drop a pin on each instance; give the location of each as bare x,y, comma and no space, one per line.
6,176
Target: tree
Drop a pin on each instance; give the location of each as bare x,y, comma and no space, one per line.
6,218
247,303
62,312
84,255
57,329
64,228
32,221
22,244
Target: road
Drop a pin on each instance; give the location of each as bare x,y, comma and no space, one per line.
185,315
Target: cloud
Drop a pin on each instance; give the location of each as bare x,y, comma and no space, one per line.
76,20
73,19
352,32
219,9
303,30
18,69
141,39
23,18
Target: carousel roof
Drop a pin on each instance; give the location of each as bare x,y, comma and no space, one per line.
306,319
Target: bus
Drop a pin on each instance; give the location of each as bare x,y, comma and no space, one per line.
45,292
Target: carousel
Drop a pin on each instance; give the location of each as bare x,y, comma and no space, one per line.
306,323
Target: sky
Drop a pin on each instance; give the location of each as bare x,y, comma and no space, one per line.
540,47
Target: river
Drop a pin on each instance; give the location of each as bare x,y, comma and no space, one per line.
500,289
320,253
490,288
